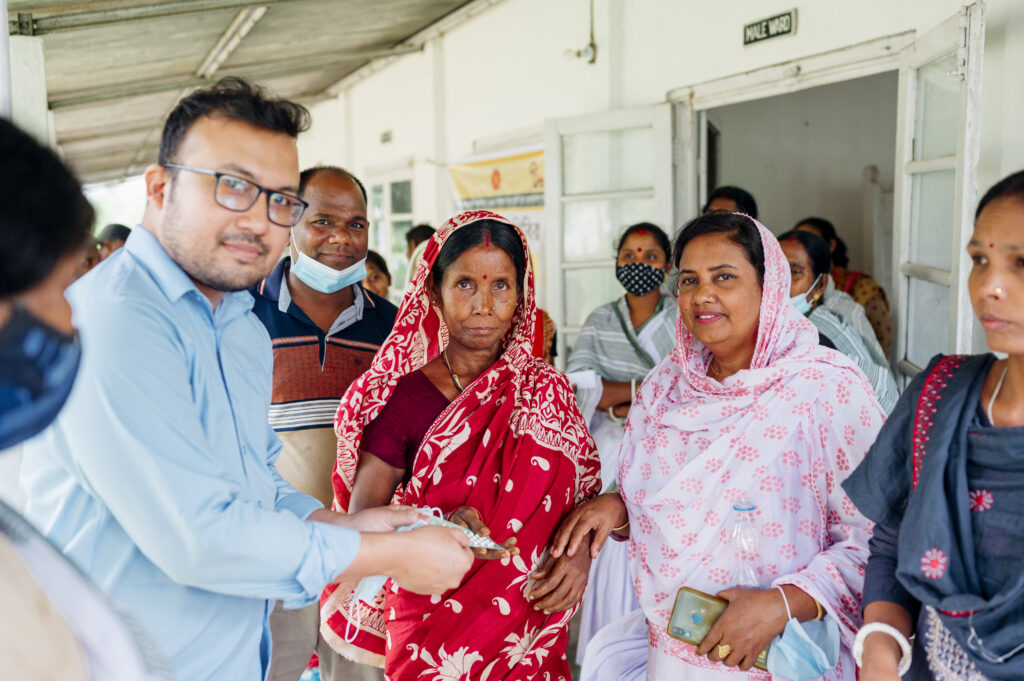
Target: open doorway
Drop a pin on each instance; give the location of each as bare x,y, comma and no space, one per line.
827,151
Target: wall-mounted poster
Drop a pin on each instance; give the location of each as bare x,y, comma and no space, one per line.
510,183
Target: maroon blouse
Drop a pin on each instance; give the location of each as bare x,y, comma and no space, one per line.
395,435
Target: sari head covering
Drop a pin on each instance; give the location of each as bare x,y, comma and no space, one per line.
513,446
916,479
783,433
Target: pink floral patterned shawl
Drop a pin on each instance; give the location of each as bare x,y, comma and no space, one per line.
784,433
514,446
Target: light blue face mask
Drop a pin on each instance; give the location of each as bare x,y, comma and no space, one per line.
800,302
324,279
366,591
804,650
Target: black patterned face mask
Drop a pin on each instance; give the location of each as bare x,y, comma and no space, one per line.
639,278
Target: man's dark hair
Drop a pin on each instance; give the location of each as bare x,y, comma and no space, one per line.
817,250
43,213
827,231
657,232
744,199
309,173
473,234
114,232
419,234
1011,185
375,258
738,228
235,98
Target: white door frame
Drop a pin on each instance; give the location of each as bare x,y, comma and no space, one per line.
659,117
844,63
962,33
691,102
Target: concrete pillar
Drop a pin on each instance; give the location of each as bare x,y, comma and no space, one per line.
441,184
5,65
28,88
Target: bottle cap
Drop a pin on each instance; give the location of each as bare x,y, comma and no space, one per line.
744,505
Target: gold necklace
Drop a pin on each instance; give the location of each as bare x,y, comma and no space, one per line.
455,377
715,372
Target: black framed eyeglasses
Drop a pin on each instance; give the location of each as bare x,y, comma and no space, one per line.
239,194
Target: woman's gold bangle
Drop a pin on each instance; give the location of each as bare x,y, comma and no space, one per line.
821,611
617,529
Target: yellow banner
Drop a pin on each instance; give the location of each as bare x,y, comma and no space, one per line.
506,182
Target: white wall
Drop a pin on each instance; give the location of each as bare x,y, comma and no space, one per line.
504,70
794,154
673,44
1002,132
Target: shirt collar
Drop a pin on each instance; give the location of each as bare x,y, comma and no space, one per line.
275,287
150,253
172,280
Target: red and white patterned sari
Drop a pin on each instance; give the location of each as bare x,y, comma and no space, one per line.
512,445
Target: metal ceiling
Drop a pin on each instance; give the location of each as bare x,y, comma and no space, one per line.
115,69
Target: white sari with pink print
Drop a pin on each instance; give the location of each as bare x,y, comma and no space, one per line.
784,434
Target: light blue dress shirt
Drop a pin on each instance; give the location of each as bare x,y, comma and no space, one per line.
158,476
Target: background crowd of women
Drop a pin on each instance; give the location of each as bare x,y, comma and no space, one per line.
760,379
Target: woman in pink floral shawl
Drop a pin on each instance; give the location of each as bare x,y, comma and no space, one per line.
748,405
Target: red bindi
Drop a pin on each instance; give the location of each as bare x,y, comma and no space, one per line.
639,250
485,277
991,245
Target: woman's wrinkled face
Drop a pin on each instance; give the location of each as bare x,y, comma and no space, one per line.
641,246
719,294
996,281
478,297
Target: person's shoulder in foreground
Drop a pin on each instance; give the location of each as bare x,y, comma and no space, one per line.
48,605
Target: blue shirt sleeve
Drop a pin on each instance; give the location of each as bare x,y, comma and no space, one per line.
286,497
178,501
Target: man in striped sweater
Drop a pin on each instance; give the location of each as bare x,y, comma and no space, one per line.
325,329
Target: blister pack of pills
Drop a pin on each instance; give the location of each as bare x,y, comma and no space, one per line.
475,540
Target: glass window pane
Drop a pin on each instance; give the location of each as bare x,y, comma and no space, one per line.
938,109
591,227
398,230
401,197
587,289
377,202
927,321
397,262
931,221
608,160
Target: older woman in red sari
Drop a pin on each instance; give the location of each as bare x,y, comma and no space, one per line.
454,414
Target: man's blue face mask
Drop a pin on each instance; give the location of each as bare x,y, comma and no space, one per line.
804,651
324,279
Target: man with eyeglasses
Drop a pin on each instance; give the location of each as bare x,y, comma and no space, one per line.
325,328
158,476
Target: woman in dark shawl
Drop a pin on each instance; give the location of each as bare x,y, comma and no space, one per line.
945,484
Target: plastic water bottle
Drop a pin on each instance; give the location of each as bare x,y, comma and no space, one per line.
745,539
